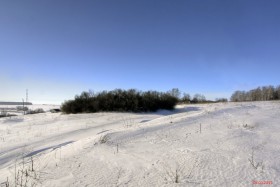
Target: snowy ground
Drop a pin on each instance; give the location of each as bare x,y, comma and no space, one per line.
225,144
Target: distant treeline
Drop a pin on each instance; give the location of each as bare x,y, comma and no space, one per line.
120,100
197,99
264,93
15,103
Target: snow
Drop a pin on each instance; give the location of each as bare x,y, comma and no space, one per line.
12,109
222,144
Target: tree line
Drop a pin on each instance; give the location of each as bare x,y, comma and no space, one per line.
120,100
264,93
186,98
131,100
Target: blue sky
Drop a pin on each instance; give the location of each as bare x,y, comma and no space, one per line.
58,49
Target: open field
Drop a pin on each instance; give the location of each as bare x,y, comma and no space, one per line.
12,109
223,144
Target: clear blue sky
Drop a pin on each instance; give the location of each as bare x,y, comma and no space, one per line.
58,49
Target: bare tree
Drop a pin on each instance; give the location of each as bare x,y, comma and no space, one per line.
264,93
267,93
186,98
175,92
277,92
198,98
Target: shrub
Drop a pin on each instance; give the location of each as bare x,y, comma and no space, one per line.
186,98
36,111
199,98
21,108
120,100
222,100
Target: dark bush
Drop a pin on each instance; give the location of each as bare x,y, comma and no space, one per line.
120,100
199,98
221,100
36,111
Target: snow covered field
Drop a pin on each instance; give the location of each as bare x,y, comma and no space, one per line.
224,144
12,109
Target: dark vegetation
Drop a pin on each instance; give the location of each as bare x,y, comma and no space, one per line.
55,110
265,93
197,99
130,101
222,100
120,100
36,111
